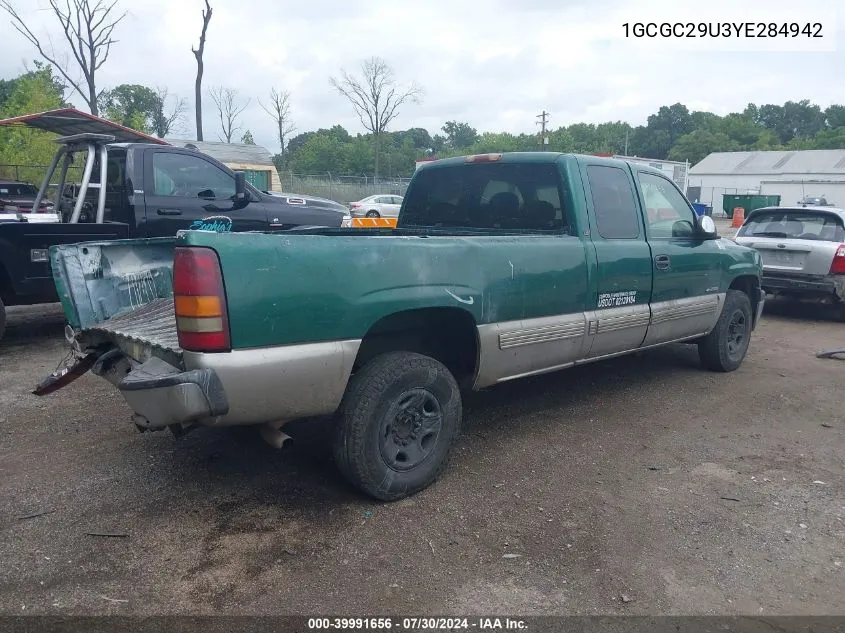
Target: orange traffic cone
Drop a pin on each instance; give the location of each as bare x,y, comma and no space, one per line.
738,218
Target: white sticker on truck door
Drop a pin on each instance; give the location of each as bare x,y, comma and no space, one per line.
615,299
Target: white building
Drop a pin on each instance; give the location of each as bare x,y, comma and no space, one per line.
791,175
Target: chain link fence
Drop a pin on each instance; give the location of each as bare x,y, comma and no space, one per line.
343,189
34,174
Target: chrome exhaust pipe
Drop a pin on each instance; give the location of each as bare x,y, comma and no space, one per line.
274,436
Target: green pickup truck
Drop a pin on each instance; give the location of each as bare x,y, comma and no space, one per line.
500,266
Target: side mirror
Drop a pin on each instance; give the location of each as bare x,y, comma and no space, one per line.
240,185
241,194
706,227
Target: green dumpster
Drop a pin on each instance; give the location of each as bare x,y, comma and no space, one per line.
748,202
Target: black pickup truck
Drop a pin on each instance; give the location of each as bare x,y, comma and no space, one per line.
152,190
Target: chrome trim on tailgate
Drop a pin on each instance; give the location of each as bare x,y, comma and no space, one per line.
279,383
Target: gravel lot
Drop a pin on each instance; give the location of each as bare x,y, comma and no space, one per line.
640,485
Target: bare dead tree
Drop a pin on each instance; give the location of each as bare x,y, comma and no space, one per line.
87,26
229,108
166,119
279,110
375,97
206,18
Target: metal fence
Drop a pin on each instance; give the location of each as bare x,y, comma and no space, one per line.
343,189
34,174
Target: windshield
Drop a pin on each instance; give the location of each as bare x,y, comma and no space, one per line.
787,224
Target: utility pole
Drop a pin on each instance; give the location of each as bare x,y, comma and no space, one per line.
543,140
626,142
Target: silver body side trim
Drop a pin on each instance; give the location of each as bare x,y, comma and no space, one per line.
618,328
679,318
545,334
516,348
592,359
279,383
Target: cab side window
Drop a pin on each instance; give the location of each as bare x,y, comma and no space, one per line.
186,176
668,214
614,203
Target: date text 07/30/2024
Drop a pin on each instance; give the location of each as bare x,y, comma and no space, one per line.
418,624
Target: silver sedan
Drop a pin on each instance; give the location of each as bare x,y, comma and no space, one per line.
802,250
380,206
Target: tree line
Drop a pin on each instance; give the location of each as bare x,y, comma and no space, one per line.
671,133
86,28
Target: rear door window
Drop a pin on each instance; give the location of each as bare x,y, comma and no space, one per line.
786,224
613,202
494,197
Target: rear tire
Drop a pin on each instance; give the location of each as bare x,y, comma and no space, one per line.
396,426
373,214
725,347
2,319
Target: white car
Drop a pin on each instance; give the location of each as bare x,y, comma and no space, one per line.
802,250
380,206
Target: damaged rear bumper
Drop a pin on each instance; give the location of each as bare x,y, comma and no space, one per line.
162,395
809,286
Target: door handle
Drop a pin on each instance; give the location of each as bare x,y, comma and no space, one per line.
662,262
169,211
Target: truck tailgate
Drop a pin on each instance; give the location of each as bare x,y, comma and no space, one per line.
120,292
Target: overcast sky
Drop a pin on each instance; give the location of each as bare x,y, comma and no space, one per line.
493,63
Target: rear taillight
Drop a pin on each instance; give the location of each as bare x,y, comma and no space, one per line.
838,265
199,297
354,205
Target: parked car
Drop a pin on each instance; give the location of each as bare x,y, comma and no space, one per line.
814,201
381,206
802,249
19,197
384,328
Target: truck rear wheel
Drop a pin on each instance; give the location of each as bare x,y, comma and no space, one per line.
2,319
725,347
396,425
